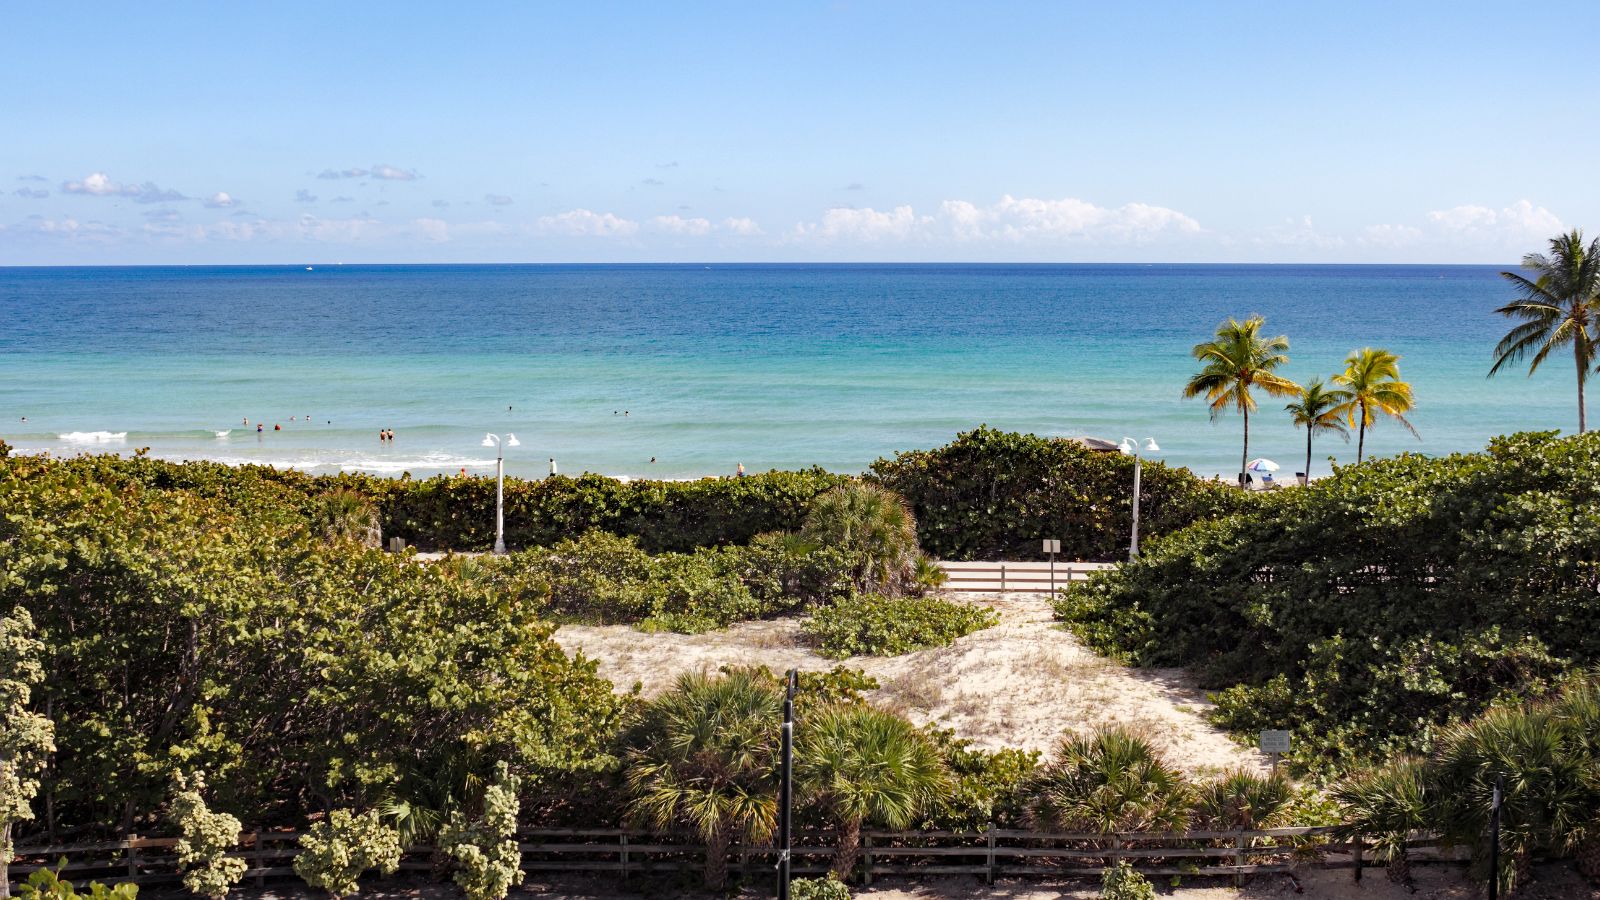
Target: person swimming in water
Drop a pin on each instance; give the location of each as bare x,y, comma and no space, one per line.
260,428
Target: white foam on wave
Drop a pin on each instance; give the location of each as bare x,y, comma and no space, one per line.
93,437
342,462
223,434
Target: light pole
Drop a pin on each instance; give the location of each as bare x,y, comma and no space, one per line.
493,440
1130,447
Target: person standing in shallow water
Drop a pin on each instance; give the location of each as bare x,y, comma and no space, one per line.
741,470
552,467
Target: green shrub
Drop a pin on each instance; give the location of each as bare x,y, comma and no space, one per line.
1373,608
875,625
1108,780
345,515
1241,800
204,839
336,851
993,495
1122,882
873,525
488,860
985,785
46,884
829,888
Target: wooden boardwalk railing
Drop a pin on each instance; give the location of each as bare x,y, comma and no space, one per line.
988,854
1015,576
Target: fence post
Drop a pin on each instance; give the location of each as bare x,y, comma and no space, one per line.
1116,851
133,857
1238,860
866,859
261,859
624,856
991,852
1002,578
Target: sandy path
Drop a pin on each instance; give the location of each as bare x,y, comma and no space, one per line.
1020,684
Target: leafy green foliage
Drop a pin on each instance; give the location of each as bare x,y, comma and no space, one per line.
1108,780
1122,882
488,861
1370,609
875,625
829,888
1241,800
47,884
872,524
1384,805
345,515
335,852
204,839
195,632
993,495
26,738
985,785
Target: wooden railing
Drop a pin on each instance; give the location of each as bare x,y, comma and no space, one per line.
988,854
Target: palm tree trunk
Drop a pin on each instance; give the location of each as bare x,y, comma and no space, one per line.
1583,371
1308,454
1361,440
1244,458
716,873
848,850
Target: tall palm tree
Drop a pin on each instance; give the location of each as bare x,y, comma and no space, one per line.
1559,307
1318,410
865,764
1236,362
705,755
1370,385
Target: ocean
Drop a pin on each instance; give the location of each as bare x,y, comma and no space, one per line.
703,367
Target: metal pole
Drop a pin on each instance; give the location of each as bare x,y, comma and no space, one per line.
1133,548
500,499
1494,836
786,787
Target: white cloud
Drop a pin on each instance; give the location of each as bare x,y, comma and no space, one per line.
1009,220
344,199
585,223
39,178
434,231
343,173
390,173
1521,220
867,224
679,225
69,229
653,182
222,200
497,199
99,184
743,226
1301,232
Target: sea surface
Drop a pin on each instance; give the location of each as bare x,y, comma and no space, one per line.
701,368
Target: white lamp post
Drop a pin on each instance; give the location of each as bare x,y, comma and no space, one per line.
1130,447
493,440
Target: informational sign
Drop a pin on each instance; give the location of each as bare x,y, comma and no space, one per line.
1274,742
1051,545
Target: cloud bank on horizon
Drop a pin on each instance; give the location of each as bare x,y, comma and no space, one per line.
893,131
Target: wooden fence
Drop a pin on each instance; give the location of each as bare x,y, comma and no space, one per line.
988,854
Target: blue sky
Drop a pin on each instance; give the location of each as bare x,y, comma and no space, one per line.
520,132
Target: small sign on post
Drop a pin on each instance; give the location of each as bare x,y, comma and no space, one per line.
1274,743
1052,546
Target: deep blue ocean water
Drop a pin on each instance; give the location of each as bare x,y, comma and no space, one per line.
769,365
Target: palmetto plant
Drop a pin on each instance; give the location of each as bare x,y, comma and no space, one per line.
1559,307
870,521
1241,800
1550,799
1317,409
704,755
1370,387
1108,780
1385,805
1236,364
1579,708
343,515
865,765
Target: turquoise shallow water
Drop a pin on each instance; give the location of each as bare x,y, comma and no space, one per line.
772,365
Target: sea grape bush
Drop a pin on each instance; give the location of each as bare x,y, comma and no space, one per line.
484,848
877,625
336,851
994,495
1372,608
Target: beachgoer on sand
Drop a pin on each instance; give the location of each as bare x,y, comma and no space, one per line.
552,466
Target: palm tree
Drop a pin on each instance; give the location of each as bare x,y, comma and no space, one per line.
1241,801
1318,410
1238,360
1559,306
1384,805
1370,384
343,515
1108,780
869,521
705,755
864,764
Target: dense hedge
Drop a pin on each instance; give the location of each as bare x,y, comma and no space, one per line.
1375,606
188,632
995,494
876,625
